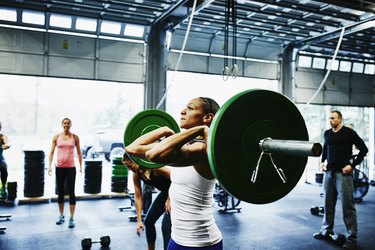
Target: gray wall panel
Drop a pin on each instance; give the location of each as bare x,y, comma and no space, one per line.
66,45
337,97
303,95
21,41
340,88
21,63
215,65
121,52
308,79
71,67
261,70
192,63
31,64
364,99
119,71
61,55
8,62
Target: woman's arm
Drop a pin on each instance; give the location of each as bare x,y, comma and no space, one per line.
138,201
5,144
79,152
50,158
174,150
147,141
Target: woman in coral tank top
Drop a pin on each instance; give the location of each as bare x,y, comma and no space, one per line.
65,168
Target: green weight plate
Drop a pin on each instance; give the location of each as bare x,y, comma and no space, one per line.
144,122
119,172
233,148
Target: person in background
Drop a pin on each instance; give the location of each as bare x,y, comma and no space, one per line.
65,168
338,179
193,183
160,179
4,143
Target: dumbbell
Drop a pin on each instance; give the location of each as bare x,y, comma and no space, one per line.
104,241
317,210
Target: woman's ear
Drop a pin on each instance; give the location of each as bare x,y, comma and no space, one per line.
208,118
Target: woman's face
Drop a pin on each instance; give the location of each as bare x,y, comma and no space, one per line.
66,124
192,115
130,165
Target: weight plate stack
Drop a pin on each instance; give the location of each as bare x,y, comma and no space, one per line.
34,173
119,180
12,191
93,177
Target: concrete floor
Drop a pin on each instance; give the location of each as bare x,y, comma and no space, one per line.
284,224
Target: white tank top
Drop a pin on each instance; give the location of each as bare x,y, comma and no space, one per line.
191,195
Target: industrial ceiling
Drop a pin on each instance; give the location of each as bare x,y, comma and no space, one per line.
313,25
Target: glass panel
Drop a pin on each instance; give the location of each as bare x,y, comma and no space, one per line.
110,27
304,61
134,30
33,17
335,64
61,21
319,63
345,66
370,69
86,24
8,15
357,67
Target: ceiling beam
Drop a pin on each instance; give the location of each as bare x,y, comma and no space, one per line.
363,5
356,27
173,15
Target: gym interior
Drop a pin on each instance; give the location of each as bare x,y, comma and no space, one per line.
102,62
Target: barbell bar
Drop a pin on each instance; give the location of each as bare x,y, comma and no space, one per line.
249,127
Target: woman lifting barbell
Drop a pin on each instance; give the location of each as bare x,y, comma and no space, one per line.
191,191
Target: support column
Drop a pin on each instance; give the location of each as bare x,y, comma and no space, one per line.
157,65
288,68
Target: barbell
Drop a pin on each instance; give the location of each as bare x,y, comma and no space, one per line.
257,147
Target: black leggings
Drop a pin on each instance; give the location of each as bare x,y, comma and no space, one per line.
3,172
66,176
156,210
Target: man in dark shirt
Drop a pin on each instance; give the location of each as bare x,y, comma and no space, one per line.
338,178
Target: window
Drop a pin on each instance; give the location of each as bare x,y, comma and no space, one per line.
333,65
61,21
304,61
357,67
110,27
33,17
86,24
8,15
134,30
370,69
345,66
319,63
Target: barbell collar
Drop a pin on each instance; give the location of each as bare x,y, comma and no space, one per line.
291,147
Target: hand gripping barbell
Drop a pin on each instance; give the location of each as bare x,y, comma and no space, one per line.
257,147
